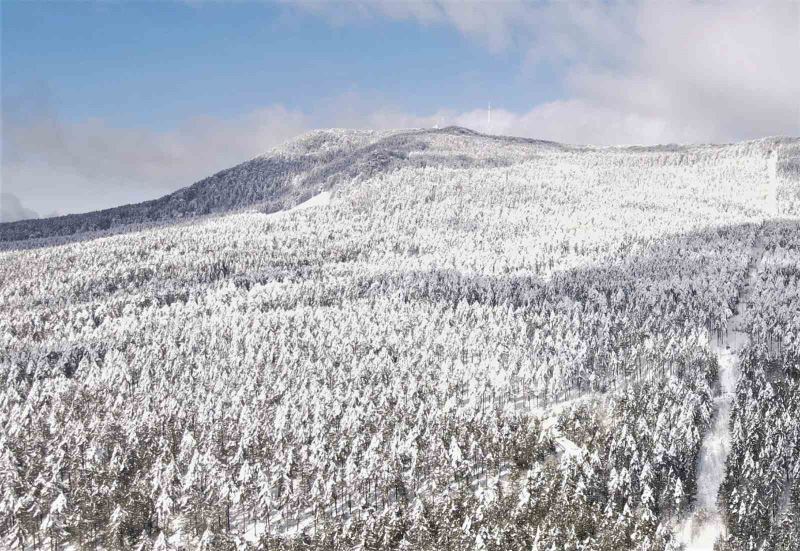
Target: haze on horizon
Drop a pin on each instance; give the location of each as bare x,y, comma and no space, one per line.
105,104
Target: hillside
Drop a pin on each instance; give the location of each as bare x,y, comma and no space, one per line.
472,342
292,173
318,161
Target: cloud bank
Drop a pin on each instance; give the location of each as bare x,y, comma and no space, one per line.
11,209
74,167
644,73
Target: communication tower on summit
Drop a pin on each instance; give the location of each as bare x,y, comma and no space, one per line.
489,118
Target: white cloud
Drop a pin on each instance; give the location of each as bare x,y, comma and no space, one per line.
706,72
94,149
73,167
12,209
634,72
495,23
558,31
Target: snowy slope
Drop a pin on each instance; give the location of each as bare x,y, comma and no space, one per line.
292,173
321,160
442,341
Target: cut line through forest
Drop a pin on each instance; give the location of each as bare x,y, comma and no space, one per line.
701,529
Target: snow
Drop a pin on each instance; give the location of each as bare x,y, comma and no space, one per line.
700,530
772,191
320,200
564,446
549,415
431,313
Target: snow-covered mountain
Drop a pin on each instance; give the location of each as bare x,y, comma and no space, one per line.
320,160
292,173
442,341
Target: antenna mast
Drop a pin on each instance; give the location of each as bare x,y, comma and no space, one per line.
489,118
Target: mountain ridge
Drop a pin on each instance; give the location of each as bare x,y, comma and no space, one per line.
316,161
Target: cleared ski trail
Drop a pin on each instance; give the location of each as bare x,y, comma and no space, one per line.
700,530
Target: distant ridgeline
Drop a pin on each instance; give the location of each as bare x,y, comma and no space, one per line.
321,160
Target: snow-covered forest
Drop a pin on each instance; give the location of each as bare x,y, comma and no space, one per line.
467,342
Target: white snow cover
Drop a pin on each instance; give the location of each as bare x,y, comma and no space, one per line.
387,348
320,200
702,528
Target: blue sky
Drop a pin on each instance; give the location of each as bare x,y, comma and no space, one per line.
114,102
156,64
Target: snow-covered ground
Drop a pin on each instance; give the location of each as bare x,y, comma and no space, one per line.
565,448
319,200
700,530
